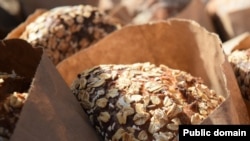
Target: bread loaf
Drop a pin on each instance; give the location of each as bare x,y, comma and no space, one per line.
13,94
142,101
240,61
64,30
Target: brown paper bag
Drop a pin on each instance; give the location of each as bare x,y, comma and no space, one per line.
179,44
50,112
240,42
194,10
229,17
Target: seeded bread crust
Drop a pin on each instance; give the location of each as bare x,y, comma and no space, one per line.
240,61
13,94
65,30
142,101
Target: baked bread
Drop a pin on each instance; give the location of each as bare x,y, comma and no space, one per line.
240,61
142,101
13,94
63,31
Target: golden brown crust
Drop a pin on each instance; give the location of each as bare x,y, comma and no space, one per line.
142,101
63,31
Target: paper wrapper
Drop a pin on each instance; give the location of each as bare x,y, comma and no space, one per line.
50,112
194,10
240,42
179,44
229,17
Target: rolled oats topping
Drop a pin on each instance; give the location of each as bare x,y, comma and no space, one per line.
240,62
143,101
62,31
13,95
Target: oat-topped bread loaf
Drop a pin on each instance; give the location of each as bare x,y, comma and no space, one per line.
13,94
142,101
64,30
240,61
